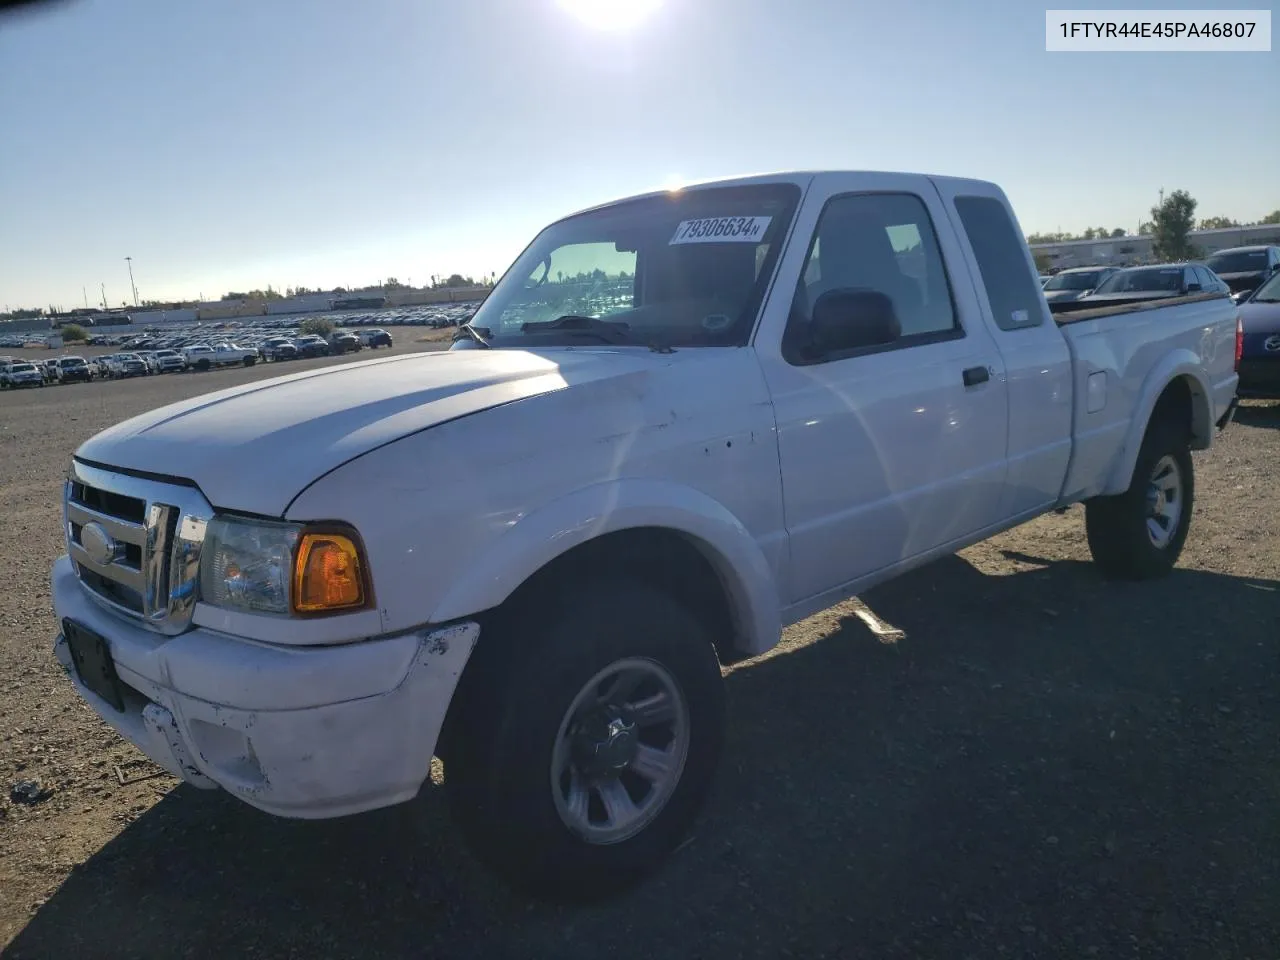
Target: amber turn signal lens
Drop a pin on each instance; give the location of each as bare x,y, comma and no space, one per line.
326,574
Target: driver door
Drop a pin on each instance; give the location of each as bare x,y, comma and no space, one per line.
888,451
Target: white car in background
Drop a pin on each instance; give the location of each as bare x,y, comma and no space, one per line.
23,375
203,356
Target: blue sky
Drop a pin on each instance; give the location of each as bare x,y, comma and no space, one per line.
231,144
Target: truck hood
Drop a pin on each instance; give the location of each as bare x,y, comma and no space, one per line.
253,448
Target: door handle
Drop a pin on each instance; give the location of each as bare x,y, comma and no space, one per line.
976,375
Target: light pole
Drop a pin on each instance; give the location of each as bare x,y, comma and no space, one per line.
132,285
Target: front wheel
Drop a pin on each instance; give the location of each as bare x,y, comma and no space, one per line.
1139,534
250,361
584,751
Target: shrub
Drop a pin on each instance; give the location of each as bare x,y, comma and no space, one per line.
73,332
316,326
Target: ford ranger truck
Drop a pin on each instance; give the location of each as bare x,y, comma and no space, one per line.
679,423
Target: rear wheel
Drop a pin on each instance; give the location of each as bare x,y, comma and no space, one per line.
250,361
1139,534
587,740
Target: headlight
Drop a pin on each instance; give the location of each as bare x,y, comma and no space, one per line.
261,566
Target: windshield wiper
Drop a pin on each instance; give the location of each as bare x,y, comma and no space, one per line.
480,335
613,333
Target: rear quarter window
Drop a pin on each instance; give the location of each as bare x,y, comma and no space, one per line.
1012,290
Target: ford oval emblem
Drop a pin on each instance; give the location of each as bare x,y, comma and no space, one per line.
97,543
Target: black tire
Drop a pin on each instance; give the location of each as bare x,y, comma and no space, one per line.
203,365
515,694
1116,526
250,361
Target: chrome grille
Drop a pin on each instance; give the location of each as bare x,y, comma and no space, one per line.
136,543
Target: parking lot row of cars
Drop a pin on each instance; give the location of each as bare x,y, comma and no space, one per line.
179,348
449,315
179,352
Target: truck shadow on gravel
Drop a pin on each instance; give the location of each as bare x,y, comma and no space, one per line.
1258,414
1047,764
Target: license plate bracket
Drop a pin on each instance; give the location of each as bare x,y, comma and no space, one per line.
93,664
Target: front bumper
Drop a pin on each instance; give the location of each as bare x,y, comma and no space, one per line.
308,732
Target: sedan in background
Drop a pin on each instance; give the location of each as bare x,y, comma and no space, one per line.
1260,357
1155,283
1076,283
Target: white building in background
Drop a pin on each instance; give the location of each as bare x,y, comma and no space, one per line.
1126,251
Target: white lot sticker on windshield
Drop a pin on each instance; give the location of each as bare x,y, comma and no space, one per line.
722,230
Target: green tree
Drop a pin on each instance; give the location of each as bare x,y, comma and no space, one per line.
1043,262
74,333
1117,233
316,327
1217,223
1272,217
1171,221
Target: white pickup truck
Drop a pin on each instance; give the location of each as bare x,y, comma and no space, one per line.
679,423
202,356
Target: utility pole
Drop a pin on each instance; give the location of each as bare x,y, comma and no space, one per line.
86,296
103,287
129,261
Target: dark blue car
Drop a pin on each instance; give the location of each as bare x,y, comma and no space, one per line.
1260,357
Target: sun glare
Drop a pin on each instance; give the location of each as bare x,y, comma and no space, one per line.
611,14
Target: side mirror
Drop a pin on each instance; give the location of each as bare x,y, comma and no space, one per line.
852,319
1193,288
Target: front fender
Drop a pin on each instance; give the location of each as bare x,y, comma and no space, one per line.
622,504
1180,363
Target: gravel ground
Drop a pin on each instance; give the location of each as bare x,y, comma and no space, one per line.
1041,764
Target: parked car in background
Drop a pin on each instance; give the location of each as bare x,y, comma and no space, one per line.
1155,282
344,341
375,337
659,476
278,348
130,365
1245,268
170,361
202,356
312,346
23,374
1260,347
49,369
74,370
1076,282
148,357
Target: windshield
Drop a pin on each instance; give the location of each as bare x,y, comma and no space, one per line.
1242,261
1074,281
683,269
22,368
1154,280
1269,292
72,362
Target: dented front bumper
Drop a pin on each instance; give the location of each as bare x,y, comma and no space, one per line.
296,731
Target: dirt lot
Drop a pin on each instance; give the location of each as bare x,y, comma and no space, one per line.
1044,764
